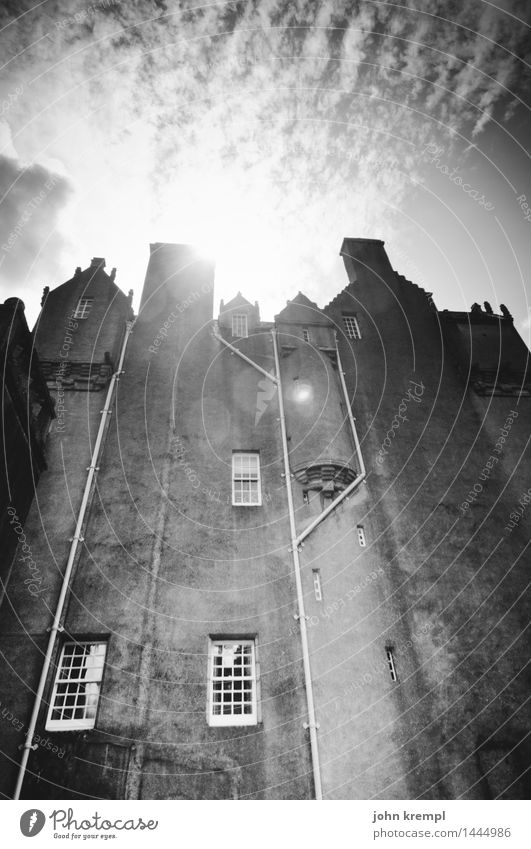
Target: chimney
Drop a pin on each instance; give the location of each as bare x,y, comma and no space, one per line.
367,264
174,274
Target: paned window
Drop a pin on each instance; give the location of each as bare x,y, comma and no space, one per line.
246,489
352,327
77,686
232,683
84,306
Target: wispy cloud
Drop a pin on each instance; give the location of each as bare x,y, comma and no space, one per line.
253,126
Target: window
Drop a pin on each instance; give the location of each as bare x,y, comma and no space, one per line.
246,488
352,327
77,686
84,305
232,687
305,334
391,662
317,585
361,536
239,325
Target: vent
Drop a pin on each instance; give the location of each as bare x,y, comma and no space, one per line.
317,585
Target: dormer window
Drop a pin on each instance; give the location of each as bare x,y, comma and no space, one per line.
84,306
239,325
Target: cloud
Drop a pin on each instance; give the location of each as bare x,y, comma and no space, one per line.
269,129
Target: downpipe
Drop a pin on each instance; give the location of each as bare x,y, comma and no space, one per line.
362,471
77,538
312,725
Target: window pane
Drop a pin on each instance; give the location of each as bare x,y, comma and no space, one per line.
351,327
239,325
77,686
83,307
246,478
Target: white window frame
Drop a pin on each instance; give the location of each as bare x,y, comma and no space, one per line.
241,498
73,687
352,327
361,536
214,679
239,325
84,306
305,334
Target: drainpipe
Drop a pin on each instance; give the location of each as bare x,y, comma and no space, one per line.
76,539
362,472
350,416
243,357
311,725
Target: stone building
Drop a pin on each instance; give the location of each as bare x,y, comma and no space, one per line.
27,410
282,560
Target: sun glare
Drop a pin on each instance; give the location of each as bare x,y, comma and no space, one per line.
233,221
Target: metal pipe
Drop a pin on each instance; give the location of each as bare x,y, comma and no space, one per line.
350,416
56,626
317,521
362,473
243,357
312,725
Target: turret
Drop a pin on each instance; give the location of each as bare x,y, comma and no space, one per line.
320,445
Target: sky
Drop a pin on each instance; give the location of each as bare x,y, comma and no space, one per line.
264,131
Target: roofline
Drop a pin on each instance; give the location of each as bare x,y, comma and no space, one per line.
359,241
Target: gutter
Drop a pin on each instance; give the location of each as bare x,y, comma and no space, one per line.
362,473
301,615
57,627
